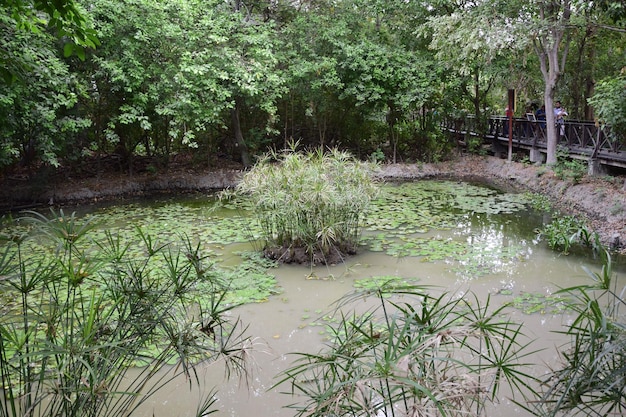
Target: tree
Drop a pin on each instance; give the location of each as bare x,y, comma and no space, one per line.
357,76
132,74
174,74
225,76
609,102
551,45
313,109
254,78
596,53
547,29
386,79
477,57
499,27
37,122
63,16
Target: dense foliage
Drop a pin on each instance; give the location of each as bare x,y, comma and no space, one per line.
230,79
64,18
610,104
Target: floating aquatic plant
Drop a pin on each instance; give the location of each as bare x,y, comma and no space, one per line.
398,220
378,282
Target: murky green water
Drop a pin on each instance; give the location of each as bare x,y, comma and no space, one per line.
453,236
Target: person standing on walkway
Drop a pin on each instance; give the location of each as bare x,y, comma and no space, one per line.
559,117
540,115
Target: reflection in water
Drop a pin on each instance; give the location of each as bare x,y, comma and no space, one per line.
450,236
499,242
293,322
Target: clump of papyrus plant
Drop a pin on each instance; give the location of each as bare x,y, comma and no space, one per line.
591,378
309,204
411,355
89,329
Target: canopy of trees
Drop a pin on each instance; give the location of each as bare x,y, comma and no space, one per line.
233,78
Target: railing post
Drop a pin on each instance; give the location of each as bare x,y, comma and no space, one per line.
595,168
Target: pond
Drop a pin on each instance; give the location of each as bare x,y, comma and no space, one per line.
452,236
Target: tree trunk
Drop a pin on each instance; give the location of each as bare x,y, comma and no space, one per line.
553,140
239,141
476,98
583,75
590,83
589,89
321,128
548,62
547,47
394,142
392,118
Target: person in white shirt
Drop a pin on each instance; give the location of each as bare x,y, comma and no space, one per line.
559,117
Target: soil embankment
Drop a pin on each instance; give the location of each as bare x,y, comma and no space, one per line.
601,201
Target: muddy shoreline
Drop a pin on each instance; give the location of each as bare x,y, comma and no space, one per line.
601,201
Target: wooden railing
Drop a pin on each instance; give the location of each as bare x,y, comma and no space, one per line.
581,138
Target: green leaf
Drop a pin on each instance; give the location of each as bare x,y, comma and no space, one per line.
68,49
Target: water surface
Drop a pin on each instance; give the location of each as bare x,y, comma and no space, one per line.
452,236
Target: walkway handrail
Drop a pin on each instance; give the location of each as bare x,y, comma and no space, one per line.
582,137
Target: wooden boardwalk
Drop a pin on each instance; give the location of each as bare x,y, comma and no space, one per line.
582,139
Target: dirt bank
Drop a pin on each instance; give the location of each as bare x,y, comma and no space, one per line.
601,201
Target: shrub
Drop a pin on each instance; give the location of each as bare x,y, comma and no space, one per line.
411,354
590,380
565,231
569,169
309,204
80,316
609,102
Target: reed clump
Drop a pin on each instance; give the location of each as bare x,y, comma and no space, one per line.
411,354
89,328
310,204
590,378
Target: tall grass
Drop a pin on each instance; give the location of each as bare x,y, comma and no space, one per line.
412,355
82,314
591,378
313,200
